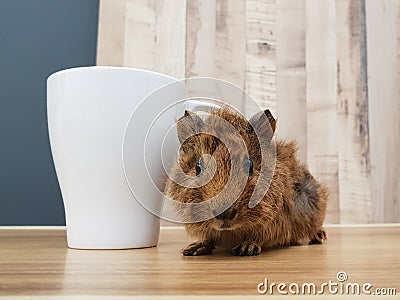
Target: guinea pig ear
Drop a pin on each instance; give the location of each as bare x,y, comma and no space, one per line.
188,125
264,123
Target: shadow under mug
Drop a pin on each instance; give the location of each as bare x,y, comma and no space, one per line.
88,109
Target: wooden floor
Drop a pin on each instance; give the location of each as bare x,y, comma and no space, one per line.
38,262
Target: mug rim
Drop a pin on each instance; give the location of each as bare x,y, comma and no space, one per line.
107,68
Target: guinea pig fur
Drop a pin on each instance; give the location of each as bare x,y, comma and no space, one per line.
291,210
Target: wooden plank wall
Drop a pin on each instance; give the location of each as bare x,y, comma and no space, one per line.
322,133
155,36
330,71
352,109
384,106
291,80
200,38
260,81
111,36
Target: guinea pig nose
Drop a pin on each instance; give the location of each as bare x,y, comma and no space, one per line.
226,215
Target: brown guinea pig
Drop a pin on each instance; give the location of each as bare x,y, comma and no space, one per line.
291,209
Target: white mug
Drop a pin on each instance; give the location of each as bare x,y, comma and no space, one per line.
88,110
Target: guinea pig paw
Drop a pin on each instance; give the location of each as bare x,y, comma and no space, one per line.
198,248
319,238
246,248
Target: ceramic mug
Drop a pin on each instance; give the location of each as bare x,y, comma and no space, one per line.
88,110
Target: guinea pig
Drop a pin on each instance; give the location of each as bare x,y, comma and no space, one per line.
291,209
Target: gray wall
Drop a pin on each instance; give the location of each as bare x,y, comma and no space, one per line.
37,38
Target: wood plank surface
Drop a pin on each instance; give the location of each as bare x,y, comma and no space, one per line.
230,48
111,33
322,129
281,53
141,34
154,40
291,73
260,81
38,262
384,108
353,125
200,38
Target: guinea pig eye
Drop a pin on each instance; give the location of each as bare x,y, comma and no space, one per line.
199,167
248,165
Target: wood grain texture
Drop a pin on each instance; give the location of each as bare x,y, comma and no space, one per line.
291,73
171,37
141,34
384,108
111,33
200,38
353,125
38,262
322,133
281,52
398,43
230,50
260,81
154,40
